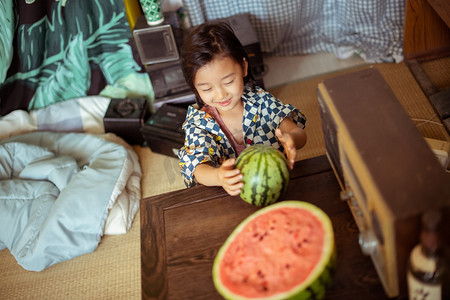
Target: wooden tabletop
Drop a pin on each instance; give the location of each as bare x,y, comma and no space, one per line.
182,231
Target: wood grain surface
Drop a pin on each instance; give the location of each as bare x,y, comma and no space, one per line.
182,231
426,33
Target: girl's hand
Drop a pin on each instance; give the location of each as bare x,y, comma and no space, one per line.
230,178
289,146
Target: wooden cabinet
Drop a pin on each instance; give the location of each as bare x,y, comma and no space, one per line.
427,32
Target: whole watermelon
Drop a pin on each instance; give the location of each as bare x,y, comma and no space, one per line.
282,251
265,174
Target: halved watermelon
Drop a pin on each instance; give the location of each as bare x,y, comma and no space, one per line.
283,251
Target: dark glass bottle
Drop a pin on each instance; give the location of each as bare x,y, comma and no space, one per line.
427,266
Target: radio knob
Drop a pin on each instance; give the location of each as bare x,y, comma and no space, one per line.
346,195
368,242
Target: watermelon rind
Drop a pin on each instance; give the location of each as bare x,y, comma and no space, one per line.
315,285
265,174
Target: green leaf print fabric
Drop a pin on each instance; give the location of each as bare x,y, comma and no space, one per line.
68,49
7,26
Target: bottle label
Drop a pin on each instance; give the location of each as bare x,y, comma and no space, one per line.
418,290
425,264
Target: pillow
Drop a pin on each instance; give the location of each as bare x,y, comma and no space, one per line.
83,114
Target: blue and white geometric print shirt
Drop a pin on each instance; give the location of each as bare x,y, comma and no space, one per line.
206,142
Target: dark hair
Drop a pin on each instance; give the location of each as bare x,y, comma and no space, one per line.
204,43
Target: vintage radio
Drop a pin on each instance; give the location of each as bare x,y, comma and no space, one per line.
163,131
387,172
169,84
158,43
125,117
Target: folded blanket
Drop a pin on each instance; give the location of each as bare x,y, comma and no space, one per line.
56,191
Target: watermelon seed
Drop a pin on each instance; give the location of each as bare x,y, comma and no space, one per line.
272,227
288,266
264,286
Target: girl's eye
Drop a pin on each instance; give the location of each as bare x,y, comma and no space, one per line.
230,82
207,90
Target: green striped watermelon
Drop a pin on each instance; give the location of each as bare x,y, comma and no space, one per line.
282,251
265,174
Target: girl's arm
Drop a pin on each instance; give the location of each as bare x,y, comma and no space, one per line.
225,176
292,137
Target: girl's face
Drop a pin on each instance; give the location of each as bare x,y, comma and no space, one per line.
220,83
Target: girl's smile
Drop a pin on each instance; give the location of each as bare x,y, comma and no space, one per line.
225,103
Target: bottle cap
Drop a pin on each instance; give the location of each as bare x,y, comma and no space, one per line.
431,220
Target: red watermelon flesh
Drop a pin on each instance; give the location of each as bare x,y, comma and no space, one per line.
273,253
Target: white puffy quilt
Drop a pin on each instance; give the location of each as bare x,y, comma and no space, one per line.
60,192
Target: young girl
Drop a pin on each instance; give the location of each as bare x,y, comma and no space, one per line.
229,115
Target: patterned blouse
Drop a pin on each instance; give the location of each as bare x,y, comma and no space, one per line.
206,141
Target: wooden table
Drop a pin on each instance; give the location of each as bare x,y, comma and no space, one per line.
182,231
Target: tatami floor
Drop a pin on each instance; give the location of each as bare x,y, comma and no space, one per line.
288,69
